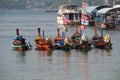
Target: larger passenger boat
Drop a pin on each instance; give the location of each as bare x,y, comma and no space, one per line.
69,12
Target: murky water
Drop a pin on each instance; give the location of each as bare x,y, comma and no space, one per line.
53,65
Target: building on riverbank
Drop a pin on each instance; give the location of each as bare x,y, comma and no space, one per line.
104,14
109,16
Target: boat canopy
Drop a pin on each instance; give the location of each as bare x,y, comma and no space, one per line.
94,9
107,10
116,6
104,10
91,8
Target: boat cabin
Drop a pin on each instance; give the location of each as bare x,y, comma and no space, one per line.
71,13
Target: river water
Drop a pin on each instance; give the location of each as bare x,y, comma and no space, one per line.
52,65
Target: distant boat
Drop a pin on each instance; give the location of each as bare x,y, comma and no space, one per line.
51,10
70,12
20,43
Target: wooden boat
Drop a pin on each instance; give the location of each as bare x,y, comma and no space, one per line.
63,43
68,43
41,43
100,41
80,41
19,43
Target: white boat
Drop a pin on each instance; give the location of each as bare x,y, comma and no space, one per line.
71,12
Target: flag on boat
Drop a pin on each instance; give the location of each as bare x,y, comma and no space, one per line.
84,19
84,5
84,22
83,27
103,25
65,19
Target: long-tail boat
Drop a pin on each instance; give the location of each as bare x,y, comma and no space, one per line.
100,41
80,41
42,43
20,43
62,43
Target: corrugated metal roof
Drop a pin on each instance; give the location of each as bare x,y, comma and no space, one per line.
104,10
91,8
116,6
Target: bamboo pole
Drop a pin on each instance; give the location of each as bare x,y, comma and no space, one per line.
95,31
58,32
39,32
76,28
17,31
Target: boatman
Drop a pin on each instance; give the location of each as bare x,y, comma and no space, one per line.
17,40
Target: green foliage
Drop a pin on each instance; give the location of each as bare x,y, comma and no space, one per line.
12,4
22,4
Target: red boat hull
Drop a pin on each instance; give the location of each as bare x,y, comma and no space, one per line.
42,45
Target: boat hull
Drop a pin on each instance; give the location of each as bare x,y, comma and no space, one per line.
42,45
83,46
20,47
70,22
60,45
101,44
64,47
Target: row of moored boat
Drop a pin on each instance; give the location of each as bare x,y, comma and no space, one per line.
77,41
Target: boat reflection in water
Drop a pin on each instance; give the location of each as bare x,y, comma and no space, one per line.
47,53
84,69
80,66
66,67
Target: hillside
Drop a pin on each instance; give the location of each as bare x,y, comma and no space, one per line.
44,4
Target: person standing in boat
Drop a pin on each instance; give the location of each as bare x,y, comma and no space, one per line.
16,40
